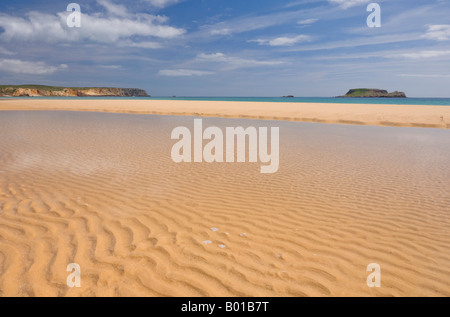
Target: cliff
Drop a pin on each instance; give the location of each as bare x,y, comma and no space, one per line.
372,93
50,91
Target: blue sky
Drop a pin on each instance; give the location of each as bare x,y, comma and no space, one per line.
229,47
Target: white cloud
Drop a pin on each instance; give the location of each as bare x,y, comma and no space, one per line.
252,23
108,28
388,54
345,4
438,32
425,75
422,54
114,9
183,72
307,21
111,66
148,45
233,62
162,3
216,57
259,21
283,41
300,2
224,31
114,29
360,41
25,67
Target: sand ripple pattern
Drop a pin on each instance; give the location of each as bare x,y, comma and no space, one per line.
101,190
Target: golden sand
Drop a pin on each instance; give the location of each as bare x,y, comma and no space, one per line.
101,190
361,114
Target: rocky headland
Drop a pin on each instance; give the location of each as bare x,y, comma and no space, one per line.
51,91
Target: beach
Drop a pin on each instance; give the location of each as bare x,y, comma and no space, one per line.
79,185
356,114
220,156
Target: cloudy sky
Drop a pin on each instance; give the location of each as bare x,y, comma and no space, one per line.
229,47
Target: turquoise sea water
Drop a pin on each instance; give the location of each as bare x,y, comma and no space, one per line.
388,101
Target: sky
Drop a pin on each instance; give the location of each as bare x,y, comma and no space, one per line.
226,48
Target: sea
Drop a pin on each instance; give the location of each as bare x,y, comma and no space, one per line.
387,101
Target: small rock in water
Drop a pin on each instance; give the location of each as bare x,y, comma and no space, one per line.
222,246
214,229
207,242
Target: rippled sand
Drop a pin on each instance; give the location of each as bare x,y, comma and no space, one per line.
102,191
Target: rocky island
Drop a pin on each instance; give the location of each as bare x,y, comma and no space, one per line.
52,91
372,93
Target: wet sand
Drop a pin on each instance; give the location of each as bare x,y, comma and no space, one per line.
101,190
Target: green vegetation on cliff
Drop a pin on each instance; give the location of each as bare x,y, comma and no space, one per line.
41,90
373,93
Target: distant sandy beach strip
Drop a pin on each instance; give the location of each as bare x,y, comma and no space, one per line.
358,114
